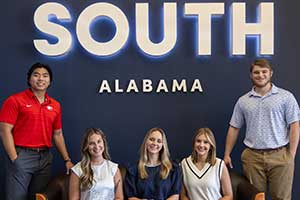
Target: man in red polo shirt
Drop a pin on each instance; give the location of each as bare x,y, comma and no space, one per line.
29,121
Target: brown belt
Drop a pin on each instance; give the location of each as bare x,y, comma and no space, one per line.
268,150
38,149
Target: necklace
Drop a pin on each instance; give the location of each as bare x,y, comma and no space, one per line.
152,165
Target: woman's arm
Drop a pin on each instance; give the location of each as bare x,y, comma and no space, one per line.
226,185
183,194
118,186
74,188
173,197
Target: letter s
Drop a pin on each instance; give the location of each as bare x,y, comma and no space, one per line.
41,21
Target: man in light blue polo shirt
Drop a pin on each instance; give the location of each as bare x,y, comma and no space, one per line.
271,116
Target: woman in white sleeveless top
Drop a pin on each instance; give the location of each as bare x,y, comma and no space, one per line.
205,177
95,177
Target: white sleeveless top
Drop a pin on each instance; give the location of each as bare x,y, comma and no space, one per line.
103,187
204,184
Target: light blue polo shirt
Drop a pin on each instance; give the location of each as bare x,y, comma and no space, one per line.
267,117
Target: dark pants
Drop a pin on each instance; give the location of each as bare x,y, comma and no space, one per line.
28,174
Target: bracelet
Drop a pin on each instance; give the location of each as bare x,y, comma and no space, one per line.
68,160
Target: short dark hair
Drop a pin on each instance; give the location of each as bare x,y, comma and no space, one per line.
34,67
261,63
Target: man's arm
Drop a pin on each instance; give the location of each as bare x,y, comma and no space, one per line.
294,137
231,138
61,147
8,140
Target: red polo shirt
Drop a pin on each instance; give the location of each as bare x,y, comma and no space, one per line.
33,122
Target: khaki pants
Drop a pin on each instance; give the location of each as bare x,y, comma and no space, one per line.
273,168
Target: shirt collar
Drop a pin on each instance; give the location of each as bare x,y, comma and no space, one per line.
274,90
30,94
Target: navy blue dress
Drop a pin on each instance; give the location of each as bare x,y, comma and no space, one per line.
153,187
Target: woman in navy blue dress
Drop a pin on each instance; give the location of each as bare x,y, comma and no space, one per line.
155,176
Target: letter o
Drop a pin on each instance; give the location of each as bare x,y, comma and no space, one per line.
102,48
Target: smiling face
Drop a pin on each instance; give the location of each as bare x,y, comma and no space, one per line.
39,80
261,76
154,142
202,146
96,146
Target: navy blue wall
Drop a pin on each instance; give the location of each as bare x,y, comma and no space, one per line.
125,118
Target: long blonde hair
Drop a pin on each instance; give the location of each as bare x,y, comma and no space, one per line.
164,156
211,157
87,177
